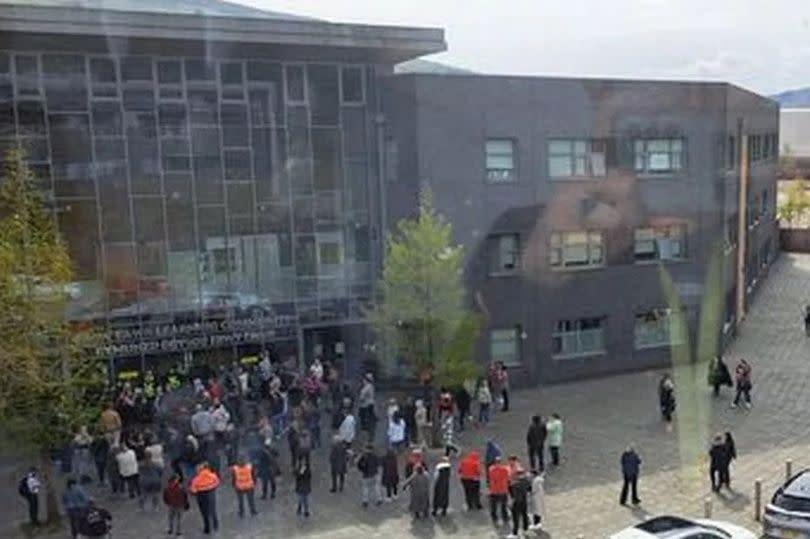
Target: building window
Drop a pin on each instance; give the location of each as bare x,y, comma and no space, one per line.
584,336
504,346
576,158
660,243
730,233
731,162
763,208
659,327
500,158
753,211
577,249
352,89
329,253
755,147
296,84
504,254
658,156
223,260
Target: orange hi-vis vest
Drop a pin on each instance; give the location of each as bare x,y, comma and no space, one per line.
243,477
204,481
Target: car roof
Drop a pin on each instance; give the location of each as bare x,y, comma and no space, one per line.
798,486
667,527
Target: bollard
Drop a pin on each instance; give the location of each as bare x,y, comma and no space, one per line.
788,470
707,507
757,499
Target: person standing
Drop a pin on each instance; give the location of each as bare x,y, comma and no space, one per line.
631,463
338,456
202,424
369,465
29,489
448,438
469,470
150,478
717,457
365,407
111,424
128,469
462,398
503,379
244,484
441,486
519,489
415,458
396,431
419,485
554,433
718,375
666,397
204,486
498,479
267,468
484,396
538,500
176,500
76,503
536,441
730,454
347,430
390,475
83,463
100,448
422,424
303,488
742,377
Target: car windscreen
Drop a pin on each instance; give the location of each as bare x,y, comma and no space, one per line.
792,503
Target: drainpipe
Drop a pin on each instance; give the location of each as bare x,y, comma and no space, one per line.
742,227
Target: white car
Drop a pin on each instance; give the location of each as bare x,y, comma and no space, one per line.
669,527
788,514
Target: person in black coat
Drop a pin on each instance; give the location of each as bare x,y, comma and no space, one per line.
409,415
100,448
462,399
730,453
535,440
390,475
631,463
666,397
717,459
441,487
303,488
338,457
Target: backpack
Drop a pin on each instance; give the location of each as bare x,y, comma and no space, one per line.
22,487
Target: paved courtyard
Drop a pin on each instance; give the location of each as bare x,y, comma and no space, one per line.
602,416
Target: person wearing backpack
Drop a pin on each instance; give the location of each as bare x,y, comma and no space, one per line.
28,488
176,499
96,522
76,503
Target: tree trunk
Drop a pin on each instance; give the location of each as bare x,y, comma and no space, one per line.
49,482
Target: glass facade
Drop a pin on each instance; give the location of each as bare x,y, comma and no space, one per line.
207,204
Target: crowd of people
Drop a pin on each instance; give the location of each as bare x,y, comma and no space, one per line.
249,425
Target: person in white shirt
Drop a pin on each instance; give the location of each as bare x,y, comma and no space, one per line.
221,418
128,469
316,369
346,431
538,500
154,452
396,432
29,488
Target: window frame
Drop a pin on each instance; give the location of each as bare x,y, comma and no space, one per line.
491,173
517,333
645,156
587,157
557,250
656,238
675,328
343,100
577,331
496,250
287,99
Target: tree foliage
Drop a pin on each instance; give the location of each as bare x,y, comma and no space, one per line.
51,381
421,310
794,204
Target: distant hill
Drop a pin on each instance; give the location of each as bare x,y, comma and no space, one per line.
793,98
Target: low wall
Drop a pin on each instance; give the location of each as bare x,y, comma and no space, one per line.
795,240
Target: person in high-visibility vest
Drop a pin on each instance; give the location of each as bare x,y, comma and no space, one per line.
204,486
244,481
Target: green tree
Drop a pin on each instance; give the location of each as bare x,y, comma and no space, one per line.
51,381
421,311
794,204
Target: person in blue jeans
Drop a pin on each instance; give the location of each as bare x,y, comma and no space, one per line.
303,488
484,397
76,503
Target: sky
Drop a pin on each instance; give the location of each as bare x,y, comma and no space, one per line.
758,44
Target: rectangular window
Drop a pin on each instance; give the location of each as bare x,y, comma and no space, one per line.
763,208
500,160
658,156
296,84
27,75
660,243
504,346
352,89
731,158
659,327
577,249
583,336
504,255
576,158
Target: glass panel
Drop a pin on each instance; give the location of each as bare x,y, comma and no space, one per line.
326,158
559,147
27,75
107,120
560,166
31,118
203,107
295,83
169,72
65,82
198,70
234,125
231,73
323,94
500,162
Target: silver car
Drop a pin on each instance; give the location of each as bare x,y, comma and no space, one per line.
788,514
670,527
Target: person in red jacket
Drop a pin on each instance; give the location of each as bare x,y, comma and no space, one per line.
204,486
469,470
498,475
176,499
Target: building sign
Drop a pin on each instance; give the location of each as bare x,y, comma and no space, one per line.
189,336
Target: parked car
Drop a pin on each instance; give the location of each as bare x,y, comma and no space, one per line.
787,516
670,527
